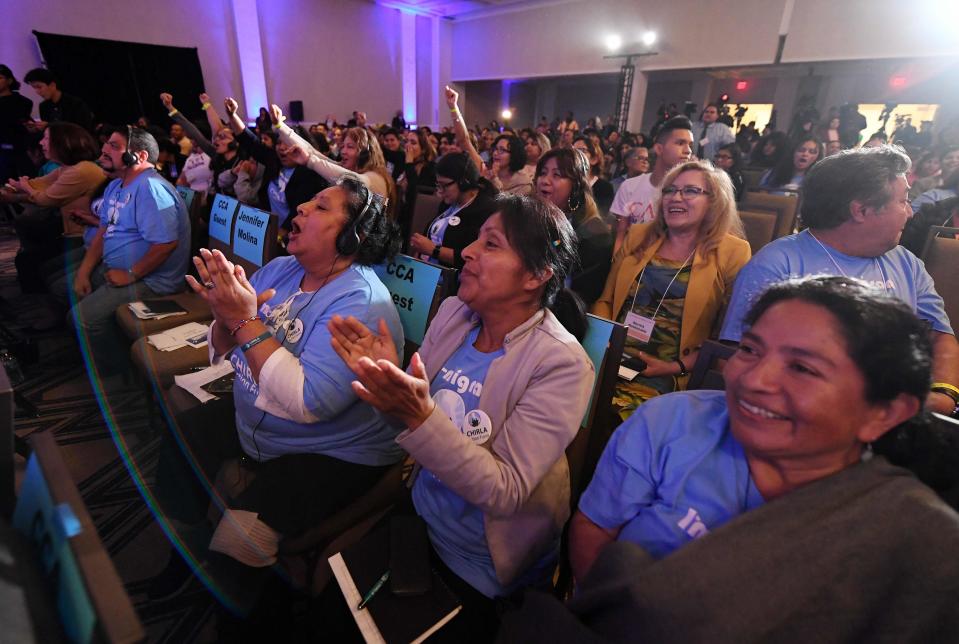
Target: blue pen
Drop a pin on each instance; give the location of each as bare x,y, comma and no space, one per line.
372,591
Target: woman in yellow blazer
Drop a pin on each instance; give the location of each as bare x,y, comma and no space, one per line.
671,280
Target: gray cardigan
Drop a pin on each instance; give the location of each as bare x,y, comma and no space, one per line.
535,395
865,555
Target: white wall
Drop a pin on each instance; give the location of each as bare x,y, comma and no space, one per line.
334,56
864,29
206,25
567,38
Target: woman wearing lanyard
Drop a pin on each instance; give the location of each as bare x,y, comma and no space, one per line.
467,201
672,278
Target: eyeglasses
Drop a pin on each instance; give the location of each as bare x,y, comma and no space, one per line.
443,185
723,156
501,149
688,192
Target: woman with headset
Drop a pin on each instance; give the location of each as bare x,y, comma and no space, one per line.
468,201
312,444
360,154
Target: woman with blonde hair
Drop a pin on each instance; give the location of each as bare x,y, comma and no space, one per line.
672,278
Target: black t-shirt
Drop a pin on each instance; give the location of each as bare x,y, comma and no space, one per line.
14,110
70,109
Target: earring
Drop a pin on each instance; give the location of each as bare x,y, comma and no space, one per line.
569,203
867,453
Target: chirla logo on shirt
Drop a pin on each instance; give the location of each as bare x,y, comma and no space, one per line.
118,201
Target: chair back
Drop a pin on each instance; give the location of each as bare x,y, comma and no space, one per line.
254,241
417,289
941,256
424,211
760,227
91,600
604,342
786,208
751,177
707,373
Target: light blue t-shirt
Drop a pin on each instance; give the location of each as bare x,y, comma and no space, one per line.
89,232
148,211
930,197
671,473
350,429
276,192
898,271
456,526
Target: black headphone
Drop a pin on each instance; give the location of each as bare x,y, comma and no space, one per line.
471,176
129,159
348,241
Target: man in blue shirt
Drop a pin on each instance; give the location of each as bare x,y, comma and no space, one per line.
140,251
856,205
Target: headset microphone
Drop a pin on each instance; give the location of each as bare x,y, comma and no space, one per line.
129,159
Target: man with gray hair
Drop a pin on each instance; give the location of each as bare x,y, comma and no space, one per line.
856,205
140,251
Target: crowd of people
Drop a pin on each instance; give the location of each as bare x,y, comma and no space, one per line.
843,349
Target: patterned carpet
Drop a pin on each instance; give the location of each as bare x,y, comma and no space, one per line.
57,383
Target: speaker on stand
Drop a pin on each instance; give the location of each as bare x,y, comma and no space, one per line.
296,111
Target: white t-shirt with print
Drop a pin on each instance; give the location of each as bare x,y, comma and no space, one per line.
635,199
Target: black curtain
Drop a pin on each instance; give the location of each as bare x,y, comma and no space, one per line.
122,81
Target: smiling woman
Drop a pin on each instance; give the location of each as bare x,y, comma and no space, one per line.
828,368
671,278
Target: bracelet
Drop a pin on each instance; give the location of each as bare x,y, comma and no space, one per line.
682,368
266,335
946,389
454,110
173,112
206,106
436,251
945,385
242,324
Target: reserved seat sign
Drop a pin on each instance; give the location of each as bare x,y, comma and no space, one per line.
412,284
249,234
221,218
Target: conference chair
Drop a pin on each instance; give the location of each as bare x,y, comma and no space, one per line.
759,226
91,602
425,209
707,372
786,208
604,342
941,256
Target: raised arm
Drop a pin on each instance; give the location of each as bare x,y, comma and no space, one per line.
191,130
212,116
459,126
306,154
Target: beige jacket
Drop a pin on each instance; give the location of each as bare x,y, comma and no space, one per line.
535,395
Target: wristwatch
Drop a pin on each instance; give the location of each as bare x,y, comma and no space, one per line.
436,251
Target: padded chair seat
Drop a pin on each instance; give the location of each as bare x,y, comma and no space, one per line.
161,366
133,327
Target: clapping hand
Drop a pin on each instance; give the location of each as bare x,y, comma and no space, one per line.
401,395
657,367
225,288
352,340
421,244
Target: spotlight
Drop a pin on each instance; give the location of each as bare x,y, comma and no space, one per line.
507,114
613,42
648,38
